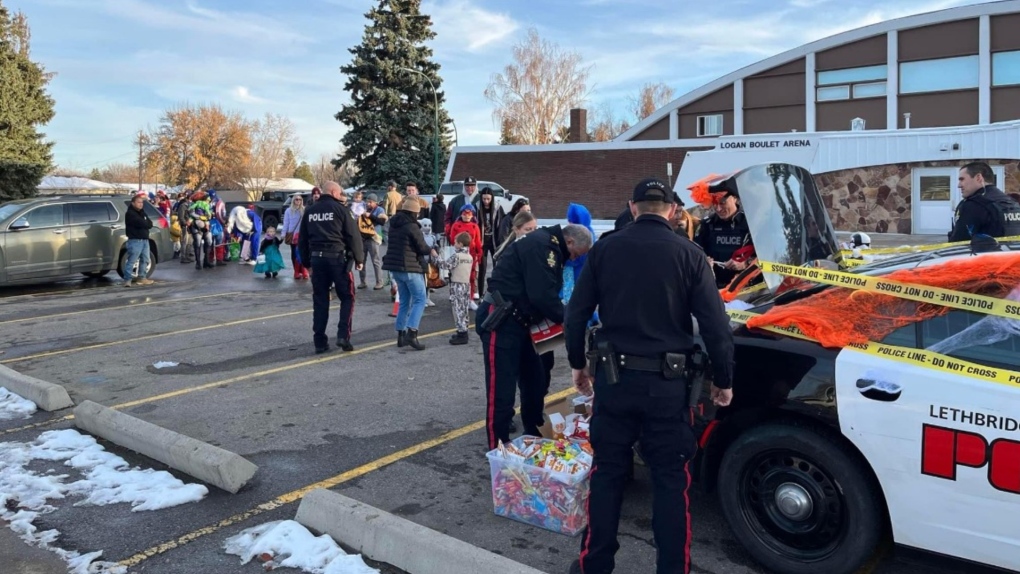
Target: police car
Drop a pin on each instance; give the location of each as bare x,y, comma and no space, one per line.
827,449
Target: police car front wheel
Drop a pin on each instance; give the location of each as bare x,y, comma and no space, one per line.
800,502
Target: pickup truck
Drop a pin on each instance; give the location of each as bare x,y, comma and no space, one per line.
270,208
504,199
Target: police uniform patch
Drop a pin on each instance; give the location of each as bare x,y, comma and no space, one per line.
551,260
555,240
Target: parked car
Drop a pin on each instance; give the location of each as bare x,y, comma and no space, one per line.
53,237
828,448
503,197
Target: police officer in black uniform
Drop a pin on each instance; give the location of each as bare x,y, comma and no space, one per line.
721,234
524,290
330,240
646,281
985,210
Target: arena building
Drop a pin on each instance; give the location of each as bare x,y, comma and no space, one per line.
883,115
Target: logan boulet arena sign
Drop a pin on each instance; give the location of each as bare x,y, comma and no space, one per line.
765,144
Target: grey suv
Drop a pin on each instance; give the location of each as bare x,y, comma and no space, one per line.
48,238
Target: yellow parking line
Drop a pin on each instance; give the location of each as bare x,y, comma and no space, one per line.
147,337
130,305
232,380
295,495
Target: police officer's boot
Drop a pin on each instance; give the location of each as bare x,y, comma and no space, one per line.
411,338
401,338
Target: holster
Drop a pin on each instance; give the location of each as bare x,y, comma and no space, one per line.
696,377
499,311
602,357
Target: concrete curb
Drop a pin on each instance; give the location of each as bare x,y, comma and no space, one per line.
387,538
47,396
211,464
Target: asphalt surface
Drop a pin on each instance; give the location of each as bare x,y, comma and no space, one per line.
248,381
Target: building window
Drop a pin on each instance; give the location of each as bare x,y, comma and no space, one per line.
710,125
1006,68
935,188
866,82
939,75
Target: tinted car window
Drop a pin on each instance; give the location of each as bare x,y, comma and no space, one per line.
974,337
452,188
46,216
94,212
9,210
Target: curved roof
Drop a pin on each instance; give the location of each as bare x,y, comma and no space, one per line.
905,23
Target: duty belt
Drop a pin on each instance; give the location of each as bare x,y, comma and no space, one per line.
637,363
326,254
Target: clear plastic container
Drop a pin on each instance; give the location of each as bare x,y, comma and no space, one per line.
538,496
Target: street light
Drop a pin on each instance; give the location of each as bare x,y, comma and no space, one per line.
435,149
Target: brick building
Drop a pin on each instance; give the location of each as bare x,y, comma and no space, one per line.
888,111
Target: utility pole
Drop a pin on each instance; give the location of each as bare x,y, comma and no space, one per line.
142,140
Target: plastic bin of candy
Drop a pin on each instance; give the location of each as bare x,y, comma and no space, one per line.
542,482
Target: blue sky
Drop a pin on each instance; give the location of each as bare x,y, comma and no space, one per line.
119,63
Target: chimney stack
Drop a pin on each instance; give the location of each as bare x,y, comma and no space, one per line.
578,125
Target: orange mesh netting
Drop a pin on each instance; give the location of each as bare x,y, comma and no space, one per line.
839,316
700,193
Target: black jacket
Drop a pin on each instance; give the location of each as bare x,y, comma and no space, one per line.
530,273
988,212
405,245
720,239
506,227
330,227
646,282
437,214
136,223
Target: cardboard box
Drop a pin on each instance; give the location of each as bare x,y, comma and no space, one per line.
564,407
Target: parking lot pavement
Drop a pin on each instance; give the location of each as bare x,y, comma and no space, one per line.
397,429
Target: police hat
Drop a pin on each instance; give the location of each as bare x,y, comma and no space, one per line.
653,189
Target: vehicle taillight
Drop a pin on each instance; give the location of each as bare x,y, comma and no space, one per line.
163,223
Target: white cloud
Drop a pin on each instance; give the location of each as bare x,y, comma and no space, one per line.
461,25
243,94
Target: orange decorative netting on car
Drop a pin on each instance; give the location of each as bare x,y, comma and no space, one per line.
700,193
838,316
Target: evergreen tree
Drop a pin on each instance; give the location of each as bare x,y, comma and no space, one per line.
304,171
391,116
24,106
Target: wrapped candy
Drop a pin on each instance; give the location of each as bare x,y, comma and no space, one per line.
542,482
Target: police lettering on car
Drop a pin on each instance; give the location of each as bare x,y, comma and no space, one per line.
524,290
330,245
645,281
985,209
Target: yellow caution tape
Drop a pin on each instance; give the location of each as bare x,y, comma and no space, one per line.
916,357
913,292
921,248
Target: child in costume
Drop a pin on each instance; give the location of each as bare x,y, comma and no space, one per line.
459,265
201,234
430,240
270,261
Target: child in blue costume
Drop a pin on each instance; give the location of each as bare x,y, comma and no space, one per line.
579,215
272,263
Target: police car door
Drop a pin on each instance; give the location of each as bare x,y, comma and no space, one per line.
944,440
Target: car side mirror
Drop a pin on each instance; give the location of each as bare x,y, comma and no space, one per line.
19,224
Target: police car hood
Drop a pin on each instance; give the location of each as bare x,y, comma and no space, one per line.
785,215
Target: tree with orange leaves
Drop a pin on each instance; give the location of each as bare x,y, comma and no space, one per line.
201,145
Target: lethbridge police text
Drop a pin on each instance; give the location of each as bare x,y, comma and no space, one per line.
973,418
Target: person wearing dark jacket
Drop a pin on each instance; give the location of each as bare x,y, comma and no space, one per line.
525,291
623,220
137,225
404,259
437,213
329,240
646,283
506,220
456,203
985,209
721,234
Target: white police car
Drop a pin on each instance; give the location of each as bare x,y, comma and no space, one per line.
827,449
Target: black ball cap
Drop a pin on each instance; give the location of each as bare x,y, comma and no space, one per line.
653,189
470,180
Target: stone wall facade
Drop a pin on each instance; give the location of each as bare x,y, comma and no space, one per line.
878,198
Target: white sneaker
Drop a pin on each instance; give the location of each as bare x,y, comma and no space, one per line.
473,306
430,303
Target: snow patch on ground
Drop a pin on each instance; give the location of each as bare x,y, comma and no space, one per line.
291,545
164,364
108,479
12,406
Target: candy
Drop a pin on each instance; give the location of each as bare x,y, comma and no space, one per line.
545,485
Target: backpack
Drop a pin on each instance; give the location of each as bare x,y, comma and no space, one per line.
365,225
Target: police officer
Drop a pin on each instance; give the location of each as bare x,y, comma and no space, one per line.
329,239
524,290
984,209
646,281
721,234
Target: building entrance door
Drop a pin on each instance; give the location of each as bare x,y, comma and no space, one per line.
934,197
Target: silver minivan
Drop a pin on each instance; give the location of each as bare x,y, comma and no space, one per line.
52,237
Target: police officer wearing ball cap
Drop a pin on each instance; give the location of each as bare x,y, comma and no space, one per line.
330,240
721,234
646,282
523,291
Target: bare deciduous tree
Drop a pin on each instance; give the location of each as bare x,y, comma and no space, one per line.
650,98
272,138
533,96
324,170
605,125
